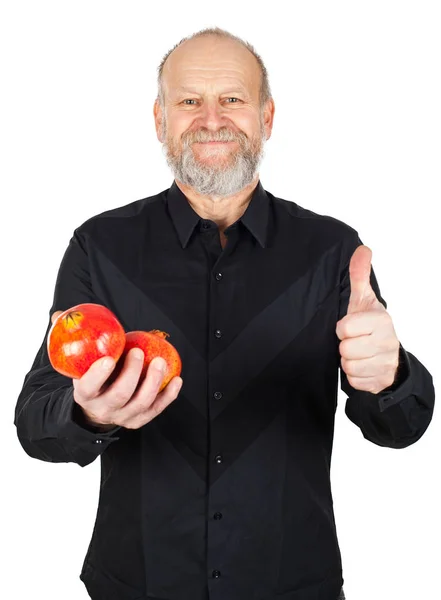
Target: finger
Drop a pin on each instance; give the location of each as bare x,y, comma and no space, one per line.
375,366
56,315
149,386
160,403
121,390
373,385
145,394
89,385
162,400
154,377
360,323
362,383
358,347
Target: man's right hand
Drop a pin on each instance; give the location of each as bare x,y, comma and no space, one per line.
123,402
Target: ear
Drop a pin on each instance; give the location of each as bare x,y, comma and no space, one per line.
268,117
158,116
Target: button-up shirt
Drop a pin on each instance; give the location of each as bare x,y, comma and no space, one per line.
226,494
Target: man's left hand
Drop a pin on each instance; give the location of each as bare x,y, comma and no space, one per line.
369,346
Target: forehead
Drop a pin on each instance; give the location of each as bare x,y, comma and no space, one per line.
211,61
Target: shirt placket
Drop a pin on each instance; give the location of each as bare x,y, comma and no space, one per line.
217,512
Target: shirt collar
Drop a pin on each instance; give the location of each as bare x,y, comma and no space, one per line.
255,217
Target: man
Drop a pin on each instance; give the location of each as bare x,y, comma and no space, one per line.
218,487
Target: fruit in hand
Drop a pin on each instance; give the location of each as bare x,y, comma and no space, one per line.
81,335
153,344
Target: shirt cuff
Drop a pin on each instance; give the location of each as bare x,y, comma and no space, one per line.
82,442
401,387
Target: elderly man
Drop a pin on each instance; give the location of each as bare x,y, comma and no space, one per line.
219,486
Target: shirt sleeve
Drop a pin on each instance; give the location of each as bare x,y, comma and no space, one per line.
47,418
399,415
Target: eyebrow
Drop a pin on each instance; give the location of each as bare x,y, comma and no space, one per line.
192,90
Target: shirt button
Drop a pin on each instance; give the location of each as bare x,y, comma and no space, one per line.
205,225
98,441
218,276
216,574
218,458
217,516
217,395
218,333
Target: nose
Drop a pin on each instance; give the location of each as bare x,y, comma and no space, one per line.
213,116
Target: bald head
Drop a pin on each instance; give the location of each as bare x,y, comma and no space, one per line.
208,59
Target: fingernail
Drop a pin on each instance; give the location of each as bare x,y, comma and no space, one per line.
160,364
107,363
138,353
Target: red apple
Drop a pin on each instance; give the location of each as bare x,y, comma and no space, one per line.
81,335
152,343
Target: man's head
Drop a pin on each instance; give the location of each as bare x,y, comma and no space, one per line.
213,86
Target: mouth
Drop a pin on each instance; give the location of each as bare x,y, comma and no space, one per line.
214,143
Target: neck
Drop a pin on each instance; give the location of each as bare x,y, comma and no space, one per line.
223,211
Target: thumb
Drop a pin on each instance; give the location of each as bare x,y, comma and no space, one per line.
55,315
362,295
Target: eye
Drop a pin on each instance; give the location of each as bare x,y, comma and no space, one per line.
194,100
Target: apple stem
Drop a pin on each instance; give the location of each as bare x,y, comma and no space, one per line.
159,333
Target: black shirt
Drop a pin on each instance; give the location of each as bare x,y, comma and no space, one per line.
226,494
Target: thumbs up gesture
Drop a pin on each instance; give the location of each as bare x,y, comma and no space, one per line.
369,347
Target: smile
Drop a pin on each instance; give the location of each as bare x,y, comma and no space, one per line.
231,142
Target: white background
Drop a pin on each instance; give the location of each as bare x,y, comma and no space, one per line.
356,135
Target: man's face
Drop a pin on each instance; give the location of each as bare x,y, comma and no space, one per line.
212,127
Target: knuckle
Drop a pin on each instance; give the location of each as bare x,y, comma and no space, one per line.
389,367
391,363
127,420
148,397
347,366
152,384
342,329
385,370
80,392
104,416
95,416
158,378
136,422
139,413
120,395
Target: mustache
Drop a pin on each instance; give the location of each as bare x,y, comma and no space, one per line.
223,135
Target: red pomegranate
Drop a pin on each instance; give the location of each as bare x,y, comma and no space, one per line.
81,335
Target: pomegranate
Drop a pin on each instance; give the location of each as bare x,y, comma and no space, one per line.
81,335
153,343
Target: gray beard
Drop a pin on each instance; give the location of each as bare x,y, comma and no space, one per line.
217,180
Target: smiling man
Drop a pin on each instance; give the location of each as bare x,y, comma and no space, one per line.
214,117
220,489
